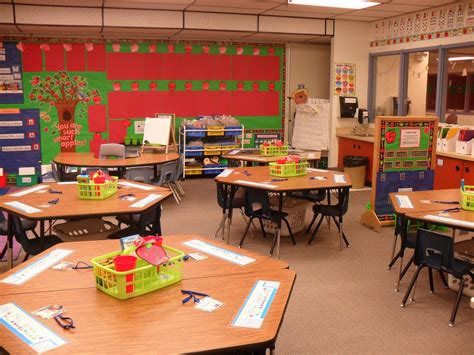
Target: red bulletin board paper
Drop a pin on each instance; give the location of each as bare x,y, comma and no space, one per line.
255,103
96,58
256,68
54,57
32,58
117,131
97,118
76,57
95,145
126,66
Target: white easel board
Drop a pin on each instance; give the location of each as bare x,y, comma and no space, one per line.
157,130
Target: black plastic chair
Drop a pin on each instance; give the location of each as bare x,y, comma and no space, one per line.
32,246
317,196
436,252
141,223
338,210
263,212
28,226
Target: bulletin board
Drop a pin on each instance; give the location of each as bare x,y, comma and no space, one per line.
90,93
404,160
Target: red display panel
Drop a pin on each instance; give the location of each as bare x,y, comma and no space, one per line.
32,58
54,57
76,57
117,131
96,58
97,118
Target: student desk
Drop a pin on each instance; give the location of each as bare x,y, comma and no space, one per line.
86,160
70,206
253,156
55,280
260,178
419,200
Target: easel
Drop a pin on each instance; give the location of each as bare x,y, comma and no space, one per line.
155,136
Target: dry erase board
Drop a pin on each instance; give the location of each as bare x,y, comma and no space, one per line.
157,130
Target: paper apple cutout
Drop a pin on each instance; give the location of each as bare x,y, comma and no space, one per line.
116,47
390,136
222,86
153,86
281,161
255,86
67,47
89,46
240,86
20,46
188,48
271,86
152,48
134,47
97,99
239,50
97,136
44,47
170,48
222,49
116,86
171,85
266,144
271,51
256,51
205,49
188,86
278,143
126,123
205,85
135,86
35,80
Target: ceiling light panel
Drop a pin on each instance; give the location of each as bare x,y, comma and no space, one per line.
344,4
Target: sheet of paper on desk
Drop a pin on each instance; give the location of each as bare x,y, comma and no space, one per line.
404,201
258,184
226,173
317,170
29,191
145,201
219,252
22,207
37,267
67,183
233,152
339,179
450,221
253,312
32,332
137,186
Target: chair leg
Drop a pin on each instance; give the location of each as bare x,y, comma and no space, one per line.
2,254
34,233
443,279
246,221
392,258
25,258
245,233
274,242
315,230
342,236
176,197
262,227
430,274
290,231
400,272
412,283
312,222
221,225
407,266
180,188
456,304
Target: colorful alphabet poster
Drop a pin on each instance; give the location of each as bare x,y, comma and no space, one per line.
89,93
344,79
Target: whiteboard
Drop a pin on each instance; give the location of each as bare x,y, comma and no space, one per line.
157,130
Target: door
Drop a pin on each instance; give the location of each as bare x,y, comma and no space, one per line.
448,173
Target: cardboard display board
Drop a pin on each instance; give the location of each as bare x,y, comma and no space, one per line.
404,160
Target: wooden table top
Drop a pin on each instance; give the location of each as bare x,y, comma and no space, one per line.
422,200
158,322
70,205
457,220
88,160
55,280
261,175
253,155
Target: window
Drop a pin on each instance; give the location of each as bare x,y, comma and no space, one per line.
386,83
460,87
421,83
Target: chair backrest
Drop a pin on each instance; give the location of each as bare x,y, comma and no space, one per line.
20,235
54,170
112,149
343,202
142,174
434,250
180,166
168,173
220,194
257,199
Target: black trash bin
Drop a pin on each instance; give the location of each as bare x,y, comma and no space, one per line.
356,167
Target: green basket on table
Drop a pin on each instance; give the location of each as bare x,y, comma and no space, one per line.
146,277
467,198
92,191
288,169
273,150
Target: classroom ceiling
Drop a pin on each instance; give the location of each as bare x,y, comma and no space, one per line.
257,20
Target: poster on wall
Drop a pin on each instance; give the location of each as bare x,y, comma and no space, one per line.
344,79
11,86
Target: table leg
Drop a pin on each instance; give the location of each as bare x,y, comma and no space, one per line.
10,240
278,236
224,209
42,235
229,214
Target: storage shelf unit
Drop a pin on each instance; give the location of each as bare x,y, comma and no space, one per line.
216,142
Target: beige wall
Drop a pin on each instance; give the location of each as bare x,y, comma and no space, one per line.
307,64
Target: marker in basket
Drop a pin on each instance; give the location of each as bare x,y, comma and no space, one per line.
462,185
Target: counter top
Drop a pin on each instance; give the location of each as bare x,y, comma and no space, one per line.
369,139
455,155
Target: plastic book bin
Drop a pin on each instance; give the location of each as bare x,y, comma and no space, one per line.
273,150
289,169
91,191
467,198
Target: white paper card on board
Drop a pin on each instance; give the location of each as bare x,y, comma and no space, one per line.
404,201
26,171
137,186
208,304
1,171
256,306
339,179
225,173
145,201
29,191
317,170
32,332
219,252
257,184
22,207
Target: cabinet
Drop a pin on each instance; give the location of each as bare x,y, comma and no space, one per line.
349,146
450,171
197,144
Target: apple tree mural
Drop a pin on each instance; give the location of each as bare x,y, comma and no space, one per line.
69,96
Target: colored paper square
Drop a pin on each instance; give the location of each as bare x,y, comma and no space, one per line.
97,118
96,58
54,57
32,58
76,57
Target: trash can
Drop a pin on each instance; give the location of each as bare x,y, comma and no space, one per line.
356,166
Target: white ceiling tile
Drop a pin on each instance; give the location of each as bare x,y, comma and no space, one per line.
237,10
138,32
302,9
210,35
374,13
84,3
149,4
9,29
399,7
279,37
55,31
299,14
355,17
242,4
430,3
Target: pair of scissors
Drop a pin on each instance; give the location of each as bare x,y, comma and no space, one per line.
456,209
194,295
65,322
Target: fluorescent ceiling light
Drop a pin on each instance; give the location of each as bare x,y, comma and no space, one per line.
344,4
454,59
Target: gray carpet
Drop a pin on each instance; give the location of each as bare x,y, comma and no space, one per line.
342,302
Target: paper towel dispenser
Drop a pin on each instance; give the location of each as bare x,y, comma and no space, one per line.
348,106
